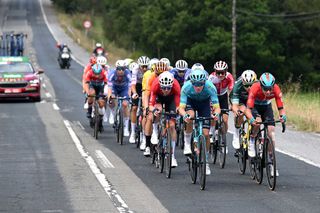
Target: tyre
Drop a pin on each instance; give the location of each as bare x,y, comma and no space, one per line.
202,163
259,160
271,166
138,130
181,136
193,162
120,127
96,121
168,154
242,153
222,145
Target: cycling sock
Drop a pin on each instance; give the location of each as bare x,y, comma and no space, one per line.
173,145
187,138
102,111
236,134
148,141
251,140
126,122
133,127
155,128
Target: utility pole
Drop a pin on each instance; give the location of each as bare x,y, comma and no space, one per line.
234,39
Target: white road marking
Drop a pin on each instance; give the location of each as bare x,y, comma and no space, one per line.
48,95
55,106
299,158
118,202
79,124
103,159
43,101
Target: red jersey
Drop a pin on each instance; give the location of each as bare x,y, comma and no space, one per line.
92,77
222,85
156,90
257,96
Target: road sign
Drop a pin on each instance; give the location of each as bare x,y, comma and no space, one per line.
87,24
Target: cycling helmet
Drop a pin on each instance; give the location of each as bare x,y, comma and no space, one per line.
92,60
197,66
166,60
101,60
220,66
143,61
152,62
267,80
248,77
133,65
166,79
98,45
197,76
128,61
160,67
97,68
181,65
121,63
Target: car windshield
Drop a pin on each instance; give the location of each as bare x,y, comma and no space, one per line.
16,67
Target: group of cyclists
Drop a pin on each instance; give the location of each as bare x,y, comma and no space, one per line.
181,91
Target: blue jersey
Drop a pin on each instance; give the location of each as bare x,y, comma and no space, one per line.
182,79
209,92
119,82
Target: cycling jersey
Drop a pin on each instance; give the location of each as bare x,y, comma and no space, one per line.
150,80
156,91
137,75
222,86
258,97
145,78
119,82
94,79
209,92
239,94
182,79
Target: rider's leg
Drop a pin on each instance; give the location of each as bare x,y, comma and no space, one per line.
125,108
92,92
238,120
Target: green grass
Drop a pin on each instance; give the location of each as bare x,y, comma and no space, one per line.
72,25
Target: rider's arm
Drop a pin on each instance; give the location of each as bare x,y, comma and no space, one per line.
183,101
230,81
176,92
250,101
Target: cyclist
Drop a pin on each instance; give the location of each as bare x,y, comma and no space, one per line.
198,94
180,70
149,128
99,50
167,62
239,97
119,83
224,83
259,104
95,83
166,90
145,101
136,89
103,62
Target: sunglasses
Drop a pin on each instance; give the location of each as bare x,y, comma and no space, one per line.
247,86
221,73
121,68
144,67
181,71
198,84
266,89
166,88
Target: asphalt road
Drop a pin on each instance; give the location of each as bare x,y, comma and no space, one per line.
41,169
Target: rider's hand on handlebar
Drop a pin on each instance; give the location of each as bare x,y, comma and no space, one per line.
215,116
156,112
283,118
186,118
135,96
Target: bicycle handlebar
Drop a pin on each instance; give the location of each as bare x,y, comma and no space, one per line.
277,121
201,118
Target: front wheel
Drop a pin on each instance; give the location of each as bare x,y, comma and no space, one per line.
193,162
96,121
168,154
259,160
270,162
242,154
203,162
222,150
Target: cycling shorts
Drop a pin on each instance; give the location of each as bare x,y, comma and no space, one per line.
223,101
121,92
135,102
97,88
265,111
169,103
203,108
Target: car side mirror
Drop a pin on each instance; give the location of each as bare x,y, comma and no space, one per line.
40,71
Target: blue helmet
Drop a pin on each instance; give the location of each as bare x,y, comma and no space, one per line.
197,75
267,80
97,68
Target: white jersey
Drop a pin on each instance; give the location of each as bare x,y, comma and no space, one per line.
137,75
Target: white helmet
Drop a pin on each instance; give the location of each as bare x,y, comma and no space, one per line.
133,65
248,77
197,66
166,79
143,60
120,63
220,66
152,62
98,45
166,60
101,60
181,65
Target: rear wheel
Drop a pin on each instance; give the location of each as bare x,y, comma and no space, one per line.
168,154
270,162
96,121
202,163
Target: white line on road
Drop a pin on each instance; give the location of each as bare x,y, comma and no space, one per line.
55,106
298,157
103,159
118,202
48,95
79,124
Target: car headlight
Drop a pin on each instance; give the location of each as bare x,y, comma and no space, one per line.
34,82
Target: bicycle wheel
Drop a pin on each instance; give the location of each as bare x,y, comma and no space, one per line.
168,154
121,127
161,153
138,130
270,162
259,160
202,163
192,160
213,150
117,126
96,121
252,168
222,150
153,154
181,136
242,153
